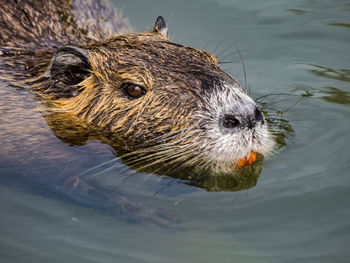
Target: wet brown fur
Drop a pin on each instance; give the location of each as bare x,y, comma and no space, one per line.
171,95
161,124
32,31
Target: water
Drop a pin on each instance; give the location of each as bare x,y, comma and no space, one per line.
297,212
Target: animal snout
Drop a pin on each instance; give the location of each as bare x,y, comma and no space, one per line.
258,116
233,121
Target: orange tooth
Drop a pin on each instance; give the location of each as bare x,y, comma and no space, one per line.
241,163
245,162
252,158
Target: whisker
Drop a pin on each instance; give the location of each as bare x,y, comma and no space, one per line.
144,154
218,55
249,91
148,153
292,106
177,164
271,109
244,69
230,54
206,44
98,166
264,107
226,62
164,186
217,46
268,94
167,159
274,94
104,171
160,160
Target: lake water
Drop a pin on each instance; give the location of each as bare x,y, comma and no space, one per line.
297,212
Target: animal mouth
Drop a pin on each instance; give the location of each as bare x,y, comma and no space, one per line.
246,161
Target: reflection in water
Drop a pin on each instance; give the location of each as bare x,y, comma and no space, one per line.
74,131
338,74
242,179
328,93
339,24
335,95
298,11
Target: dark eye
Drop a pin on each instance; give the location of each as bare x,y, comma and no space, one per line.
133,91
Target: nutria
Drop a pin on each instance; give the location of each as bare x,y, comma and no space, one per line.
160,104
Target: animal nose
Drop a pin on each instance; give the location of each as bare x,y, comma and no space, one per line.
231,121
258,116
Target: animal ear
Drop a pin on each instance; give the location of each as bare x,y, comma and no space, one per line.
69,66
160,27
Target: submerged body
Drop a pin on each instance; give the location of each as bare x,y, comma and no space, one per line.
164,107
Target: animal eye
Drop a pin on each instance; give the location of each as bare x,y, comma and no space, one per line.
133,91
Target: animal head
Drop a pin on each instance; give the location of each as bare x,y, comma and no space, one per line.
164,104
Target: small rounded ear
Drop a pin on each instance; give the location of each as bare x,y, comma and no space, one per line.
160,27
69,66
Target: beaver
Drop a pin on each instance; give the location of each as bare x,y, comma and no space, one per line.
162,106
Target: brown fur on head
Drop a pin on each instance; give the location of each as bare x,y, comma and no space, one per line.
186,111
172,77
160,104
